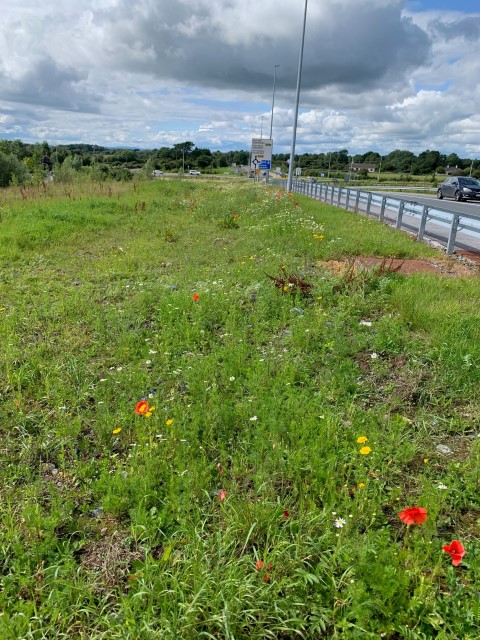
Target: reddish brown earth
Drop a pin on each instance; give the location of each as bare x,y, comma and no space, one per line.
464,267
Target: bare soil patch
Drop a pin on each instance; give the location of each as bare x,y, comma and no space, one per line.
443,265
109,562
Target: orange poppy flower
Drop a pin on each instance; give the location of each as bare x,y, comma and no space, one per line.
142,407
195,297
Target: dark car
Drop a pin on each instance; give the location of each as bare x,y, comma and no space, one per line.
459,188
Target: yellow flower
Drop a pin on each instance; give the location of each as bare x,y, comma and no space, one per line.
148,414
425,461
116,431
361,485
362,439
169,422
285,288
365,451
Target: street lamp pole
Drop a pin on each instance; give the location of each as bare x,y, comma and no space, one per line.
261,127
380,169
273,97
297,100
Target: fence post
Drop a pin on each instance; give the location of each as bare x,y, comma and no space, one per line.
348,199
382,209
423,222
357,200
453,234
400,215
369,204
339,198
332,194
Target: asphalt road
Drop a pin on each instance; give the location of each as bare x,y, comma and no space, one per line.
472,208
465,242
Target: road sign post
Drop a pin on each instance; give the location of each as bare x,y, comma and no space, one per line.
261,155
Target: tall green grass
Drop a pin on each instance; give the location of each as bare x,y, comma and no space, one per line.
242,506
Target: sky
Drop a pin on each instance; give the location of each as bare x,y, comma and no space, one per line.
377,75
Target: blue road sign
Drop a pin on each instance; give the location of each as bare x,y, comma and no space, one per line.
265,165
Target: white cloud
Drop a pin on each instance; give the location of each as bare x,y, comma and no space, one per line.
159,72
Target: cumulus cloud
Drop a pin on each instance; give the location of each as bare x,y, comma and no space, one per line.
218,43
457,27
159,71
48,83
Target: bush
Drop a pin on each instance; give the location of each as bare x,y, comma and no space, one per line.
12,170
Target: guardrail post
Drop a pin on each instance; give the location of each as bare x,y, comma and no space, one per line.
369,204
357,200
331,195
339,197
453,234
400,215
348,198
381,217
423,222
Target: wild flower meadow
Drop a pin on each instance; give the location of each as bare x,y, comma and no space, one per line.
207,432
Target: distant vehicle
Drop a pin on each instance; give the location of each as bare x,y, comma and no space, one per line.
156,173
194,172
459,188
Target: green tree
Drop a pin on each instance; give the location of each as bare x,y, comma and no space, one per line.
67,172
453,160
427,162
12,170
399,161
148,169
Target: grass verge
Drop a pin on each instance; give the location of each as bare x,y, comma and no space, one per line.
257,492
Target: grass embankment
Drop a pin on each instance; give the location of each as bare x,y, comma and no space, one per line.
258,496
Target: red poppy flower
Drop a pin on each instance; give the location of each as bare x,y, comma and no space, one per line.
266,577
456,550
413,515
222,494
142,407
286,514
195,297
259,565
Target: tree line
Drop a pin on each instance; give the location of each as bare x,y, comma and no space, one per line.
22,162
